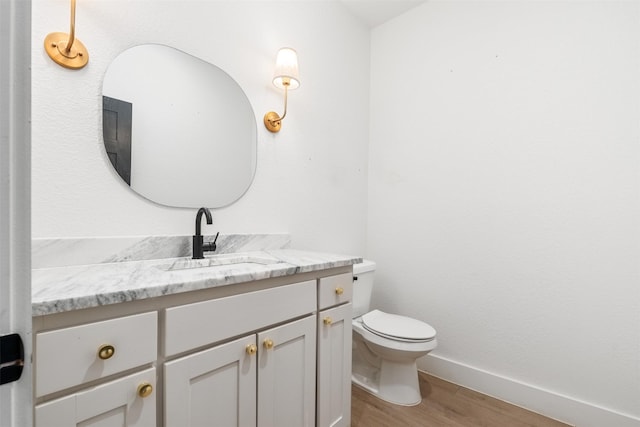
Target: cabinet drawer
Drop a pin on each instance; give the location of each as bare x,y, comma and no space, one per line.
334,290
195,325
117,402
70,356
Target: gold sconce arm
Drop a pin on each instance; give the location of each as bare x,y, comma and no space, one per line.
65,49
272,120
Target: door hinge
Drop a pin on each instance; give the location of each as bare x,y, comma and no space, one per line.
11,358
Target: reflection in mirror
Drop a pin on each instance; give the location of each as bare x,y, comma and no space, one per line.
178,130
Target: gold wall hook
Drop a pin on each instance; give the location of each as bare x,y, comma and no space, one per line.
65,49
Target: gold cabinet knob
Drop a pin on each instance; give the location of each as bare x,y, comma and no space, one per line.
106,351
339,291
251,349
145,390
327,320
268,344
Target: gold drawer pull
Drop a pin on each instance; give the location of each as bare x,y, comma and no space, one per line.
268,344
145,390
251,349
327,320
339,291
106,351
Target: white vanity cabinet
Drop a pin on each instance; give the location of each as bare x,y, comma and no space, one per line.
334,351
269,353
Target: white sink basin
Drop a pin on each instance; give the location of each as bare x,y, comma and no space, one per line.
230,260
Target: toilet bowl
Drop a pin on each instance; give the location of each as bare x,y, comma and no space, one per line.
385,346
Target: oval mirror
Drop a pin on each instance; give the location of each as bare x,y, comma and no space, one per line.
178,130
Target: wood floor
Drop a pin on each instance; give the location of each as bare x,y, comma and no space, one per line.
443,404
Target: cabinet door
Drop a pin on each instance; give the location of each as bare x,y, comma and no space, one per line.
114,404
287,374
215,387
334,367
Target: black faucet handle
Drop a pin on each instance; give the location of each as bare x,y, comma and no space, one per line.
211,246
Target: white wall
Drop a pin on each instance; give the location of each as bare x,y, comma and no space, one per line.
311,177
504,193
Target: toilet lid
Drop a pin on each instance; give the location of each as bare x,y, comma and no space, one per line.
398,327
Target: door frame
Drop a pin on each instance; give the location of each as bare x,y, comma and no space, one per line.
15,202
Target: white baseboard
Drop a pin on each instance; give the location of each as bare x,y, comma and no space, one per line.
545,402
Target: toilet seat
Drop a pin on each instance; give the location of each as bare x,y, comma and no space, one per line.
391,343
397,328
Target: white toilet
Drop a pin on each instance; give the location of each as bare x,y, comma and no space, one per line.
386,346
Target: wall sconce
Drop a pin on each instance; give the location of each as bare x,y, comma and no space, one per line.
64,48
285,77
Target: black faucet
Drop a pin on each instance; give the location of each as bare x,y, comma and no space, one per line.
198,243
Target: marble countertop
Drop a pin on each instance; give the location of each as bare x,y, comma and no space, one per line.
66,288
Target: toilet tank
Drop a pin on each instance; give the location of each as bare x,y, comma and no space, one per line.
362,286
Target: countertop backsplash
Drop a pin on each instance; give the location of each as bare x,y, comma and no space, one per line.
64,252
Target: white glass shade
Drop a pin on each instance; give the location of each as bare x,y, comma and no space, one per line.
286,69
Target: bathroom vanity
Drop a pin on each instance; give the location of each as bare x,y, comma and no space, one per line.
251,336
253,339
